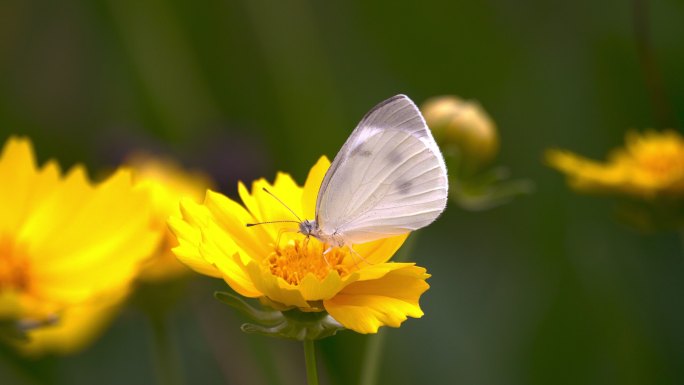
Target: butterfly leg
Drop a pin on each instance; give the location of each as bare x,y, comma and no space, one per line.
334,241
280,234
355,253
325,255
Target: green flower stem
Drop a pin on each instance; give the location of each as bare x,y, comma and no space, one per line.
310,358
371,365
166,355
370,368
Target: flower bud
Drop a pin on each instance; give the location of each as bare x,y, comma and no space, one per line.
462,128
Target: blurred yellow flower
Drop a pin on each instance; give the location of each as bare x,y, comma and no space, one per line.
76,326
463,126
66,245
286,270
166,183
650,165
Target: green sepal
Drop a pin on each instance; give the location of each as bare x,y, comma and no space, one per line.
268,317
288,324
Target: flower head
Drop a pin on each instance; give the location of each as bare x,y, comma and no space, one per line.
65,243
166,183
360,288
462,126
650,165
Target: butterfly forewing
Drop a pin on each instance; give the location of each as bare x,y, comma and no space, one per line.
389,177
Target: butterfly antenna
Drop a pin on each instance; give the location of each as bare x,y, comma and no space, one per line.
265,223
282,203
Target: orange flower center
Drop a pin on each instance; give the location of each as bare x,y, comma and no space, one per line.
299,258
13,267
662,165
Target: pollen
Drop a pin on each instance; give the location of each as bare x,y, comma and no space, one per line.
301,257
13,267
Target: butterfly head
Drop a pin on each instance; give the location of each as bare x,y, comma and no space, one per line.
308,227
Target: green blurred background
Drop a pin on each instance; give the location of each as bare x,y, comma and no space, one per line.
549,289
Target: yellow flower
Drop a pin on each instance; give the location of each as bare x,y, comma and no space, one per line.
284,269
65,243
650,165
76,326
165,183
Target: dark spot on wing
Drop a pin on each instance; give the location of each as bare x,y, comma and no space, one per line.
394,157
360,151
404,187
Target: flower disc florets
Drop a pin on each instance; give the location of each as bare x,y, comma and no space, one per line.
302,257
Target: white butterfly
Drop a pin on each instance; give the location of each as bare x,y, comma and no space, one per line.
389,178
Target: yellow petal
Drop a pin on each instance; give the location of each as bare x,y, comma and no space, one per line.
312,186
275,288
233,218
255,208
96,254
314,290
251,204
364,306
377,271
17,167
287,190
165,182
74,246
219,248
55,208
289,197
206,244
189,239
382,250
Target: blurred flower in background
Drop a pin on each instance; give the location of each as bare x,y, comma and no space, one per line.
166,183
469,140
650,165
462,128
648,173
69,249
360,290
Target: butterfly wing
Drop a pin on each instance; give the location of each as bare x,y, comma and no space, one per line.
389,178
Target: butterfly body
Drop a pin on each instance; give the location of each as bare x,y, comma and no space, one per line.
310,228
389,178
